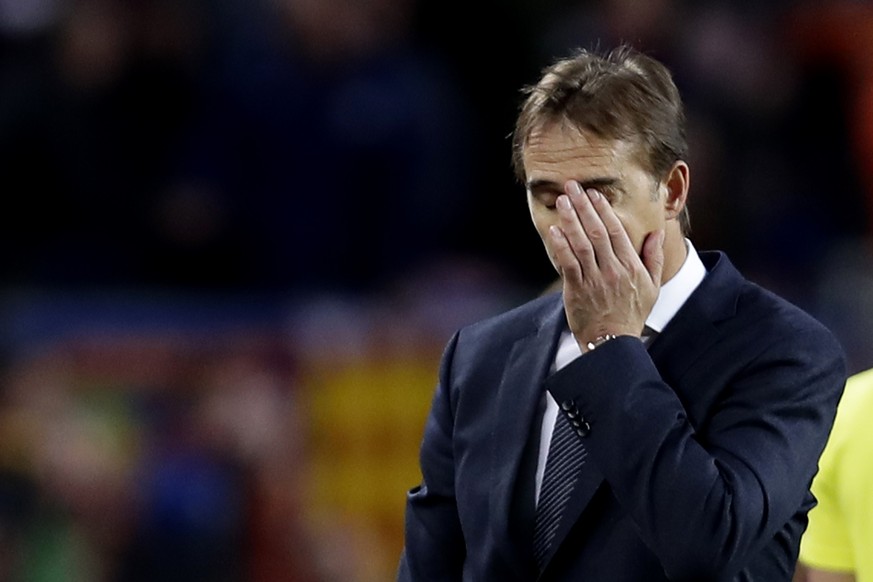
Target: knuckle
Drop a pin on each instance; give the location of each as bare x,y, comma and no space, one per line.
615,230
582,247
598,233
572,273
610,274
586,255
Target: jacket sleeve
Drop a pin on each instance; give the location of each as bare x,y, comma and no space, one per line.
434,547
705,502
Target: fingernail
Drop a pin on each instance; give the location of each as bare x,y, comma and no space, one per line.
563,202
593,194
575,188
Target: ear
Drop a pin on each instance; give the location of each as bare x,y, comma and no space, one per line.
676,185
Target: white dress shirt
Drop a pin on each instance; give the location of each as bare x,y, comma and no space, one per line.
673,294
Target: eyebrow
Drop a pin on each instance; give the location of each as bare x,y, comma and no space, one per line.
592,183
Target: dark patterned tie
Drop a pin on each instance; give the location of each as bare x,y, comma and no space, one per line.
565,460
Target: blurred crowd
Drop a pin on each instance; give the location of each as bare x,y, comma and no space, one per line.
326,186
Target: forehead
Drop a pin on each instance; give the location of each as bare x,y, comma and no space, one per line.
557,151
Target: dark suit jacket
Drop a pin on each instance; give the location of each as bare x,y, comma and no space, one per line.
700,454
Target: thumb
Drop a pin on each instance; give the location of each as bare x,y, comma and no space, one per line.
653,255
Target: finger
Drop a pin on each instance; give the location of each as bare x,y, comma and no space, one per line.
564,257
653,255
620,242
575,235
592,225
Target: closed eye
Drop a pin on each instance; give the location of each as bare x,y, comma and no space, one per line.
546,198
611,194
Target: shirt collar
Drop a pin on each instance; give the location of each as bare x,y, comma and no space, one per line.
675,292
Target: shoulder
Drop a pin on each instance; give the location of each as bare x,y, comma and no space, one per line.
487,344
844,484
780,317
757,313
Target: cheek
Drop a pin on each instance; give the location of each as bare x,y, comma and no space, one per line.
542,220
635,230
639,221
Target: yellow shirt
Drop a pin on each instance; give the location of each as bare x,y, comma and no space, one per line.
840,533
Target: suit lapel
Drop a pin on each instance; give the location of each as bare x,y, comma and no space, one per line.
518,395
693,330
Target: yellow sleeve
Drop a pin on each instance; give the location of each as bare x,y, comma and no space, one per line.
856,487
840,531
825,545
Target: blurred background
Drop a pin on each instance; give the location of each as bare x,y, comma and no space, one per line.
238,233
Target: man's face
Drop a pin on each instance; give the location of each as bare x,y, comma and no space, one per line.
559,152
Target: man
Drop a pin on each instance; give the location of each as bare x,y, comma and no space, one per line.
688,405
838,544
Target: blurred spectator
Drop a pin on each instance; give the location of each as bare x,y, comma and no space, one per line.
307,144
338,146
137,456
831,43
836,39
96,101
148,439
